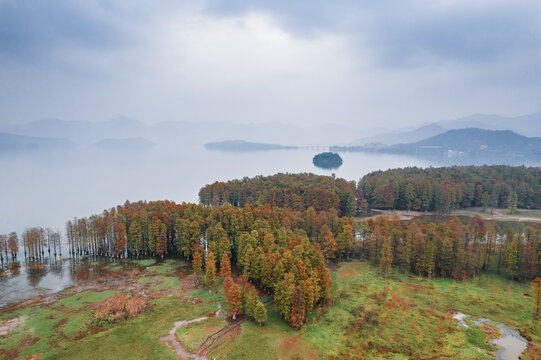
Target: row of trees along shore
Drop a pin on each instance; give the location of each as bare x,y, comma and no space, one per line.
448,188
284,228
38,243
441,190
269,245
9,244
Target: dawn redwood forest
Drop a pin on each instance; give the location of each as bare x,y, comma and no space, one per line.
279,232
276,247
446,189
270,180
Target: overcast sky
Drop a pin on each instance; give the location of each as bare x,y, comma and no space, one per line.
356,62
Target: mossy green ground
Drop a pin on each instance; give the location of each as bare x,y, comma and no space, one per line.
398,317
67,329
372,317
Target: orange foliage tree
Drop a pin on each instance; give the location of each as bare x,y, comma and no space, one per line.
225,266
233,297
298,308
210,270
197,261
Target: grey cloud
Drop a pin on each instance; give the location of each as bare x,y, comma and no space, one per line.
457,35
31,28
398,33
409,33
414,60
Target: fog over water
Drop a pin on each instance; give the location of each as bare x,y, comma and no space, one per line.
49,188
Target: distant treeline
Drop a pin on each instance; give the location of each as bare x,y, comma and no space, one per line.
450,248
293,191
448,188
441,190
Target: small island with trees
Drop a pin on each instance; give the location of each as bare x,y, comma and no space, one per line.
327,160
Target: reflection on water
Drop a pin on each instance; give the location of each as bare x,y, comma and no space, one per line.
21,280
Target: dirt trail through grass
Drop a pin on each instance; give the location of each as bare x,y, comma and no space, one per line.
212,338
172,341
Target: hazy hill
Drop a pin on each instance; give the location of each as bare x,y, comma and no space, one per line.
187,132
12,142
404,136
80,130
528,125
475,140
464,142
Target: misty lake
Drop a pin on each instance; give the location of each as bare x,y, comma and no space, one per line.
48,189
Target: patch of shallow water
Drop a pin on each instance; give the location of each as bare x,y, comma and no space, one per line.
28,279
510,345
9,326
461,317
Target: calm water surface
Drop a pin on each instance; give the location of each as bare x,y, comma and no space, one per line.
49,188
21,280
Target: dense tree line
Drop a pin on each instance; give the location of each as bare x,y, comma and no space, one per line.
271,246
279,231
292,191
450,248
448,188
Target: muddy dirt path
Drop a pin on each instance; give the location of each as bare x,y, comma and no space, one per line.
172,341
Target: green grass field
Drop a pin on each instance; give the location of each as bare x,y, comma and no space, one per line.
372,317
400,317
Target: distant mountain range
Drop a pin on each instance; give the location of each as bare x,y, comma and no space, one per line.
12,142
527,125
463,142
79,130
184,131
115,133
403,136
474,140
